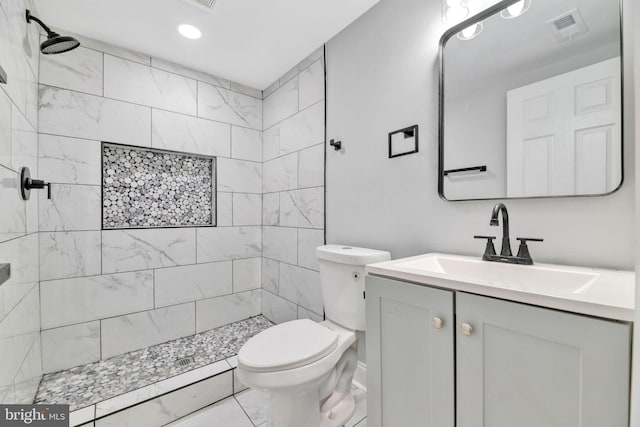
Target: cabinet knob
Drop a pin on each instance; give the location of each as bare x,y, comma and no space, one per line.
437,322
466,329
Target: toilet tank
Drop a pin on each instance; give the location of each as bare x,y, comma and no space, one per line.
342,281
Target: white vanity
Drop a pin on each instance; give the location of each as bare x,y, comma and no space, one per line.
457,341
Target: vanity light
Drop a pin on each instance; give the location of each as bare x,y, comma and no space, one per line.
189,31
516,9
454,11
471,31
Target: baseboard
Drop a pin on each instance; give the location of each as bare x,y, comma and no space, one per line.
360,377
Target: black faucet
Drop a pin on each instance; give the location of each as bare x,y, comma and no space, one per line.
506,255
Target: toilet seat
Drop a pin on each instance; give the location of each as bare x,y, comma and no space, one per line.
288,346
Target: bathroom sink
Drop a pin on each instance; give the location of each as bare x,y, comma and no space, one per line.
596,292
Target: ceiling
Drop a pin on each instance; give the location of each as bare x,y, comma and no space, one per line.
252,42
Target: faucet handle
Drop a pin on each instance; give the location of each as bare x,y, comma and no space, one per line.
489,250
523,250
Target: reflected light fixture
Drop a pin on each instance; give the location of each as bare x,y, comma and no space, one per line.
454,11
189,31
516,9
471,31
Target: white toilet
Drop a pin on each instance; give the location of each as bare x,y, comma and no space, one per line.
308,367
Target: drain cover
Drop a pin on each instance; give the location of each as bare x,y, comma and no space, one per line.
185,361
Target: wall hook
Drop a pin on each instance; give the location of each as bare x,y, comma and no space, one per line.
337,145
27,184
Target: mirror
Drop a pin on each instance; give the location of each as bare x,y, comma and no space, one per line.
530,101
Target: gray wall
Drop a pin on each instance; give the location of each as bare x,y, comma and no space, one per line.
382,75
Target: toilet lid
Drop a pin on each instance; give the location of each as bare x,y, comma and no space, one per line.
287,346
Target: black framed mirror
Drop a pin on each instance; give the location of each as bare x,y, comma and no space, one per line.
531,101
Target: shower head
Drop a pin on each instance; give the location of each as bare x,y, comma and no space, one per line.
55,43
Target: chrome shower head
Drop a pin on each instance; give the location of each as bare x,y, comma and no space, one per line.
55,43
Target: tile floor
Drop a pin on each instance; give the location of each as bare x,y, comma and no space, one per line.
248,409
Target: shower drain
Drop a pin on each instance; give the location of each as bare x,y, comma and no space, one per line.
185,361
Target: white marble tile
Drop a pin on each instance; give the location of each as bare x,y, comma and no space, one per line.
301,286
75,114
224,210
6,147
271,209
25,153
280,174
281,104
79,70
269,90
215,312
311,167
237,87
312,84
161,387
69,160
308,241
303,130
246,144
31,103
13,221
24,270
189,72
129,250
302,208
228,243
359,417
247,209
314,56
172,406
226,413
270,275
82,416
69,254
131,332
226,106
255,403
179,132
192,282
133,82
239,176
28,377
82,299
71,207
280,243
303,313
277,309
246,274
15,63
70,346
109,48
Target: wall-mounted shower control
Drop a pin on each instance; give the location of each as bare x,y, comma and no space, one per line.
27,184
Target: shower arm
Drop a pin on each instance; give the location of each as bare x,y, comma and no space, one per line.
44,26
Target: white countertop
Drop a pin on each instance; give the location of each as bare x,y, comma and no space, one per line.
604,293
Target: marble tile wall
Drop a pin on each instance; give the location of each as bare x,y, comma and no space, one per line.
293,192
20,345
106,292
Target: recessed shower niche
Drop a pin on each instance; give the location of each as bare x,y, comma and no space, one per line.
149,188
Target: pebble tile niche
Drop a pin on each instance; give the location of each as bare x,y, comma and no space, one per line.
147,188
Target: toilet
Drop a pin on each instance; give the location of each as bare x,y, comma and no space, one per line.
307,367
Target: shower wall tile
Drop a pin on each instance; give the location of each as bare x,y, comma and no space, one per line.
139,330
21,253
141,84
271,209
226,106
280,174
302,65
280,243
79,70
246,274
179,132
129,250
75,114
246,144
6,149
239,176
247,209
82,299
64,348
178,285
301,286
225,209
302,208
110,49
256,93
71,207
215,312
278,309
69,160
312,84
308,241
69,254
302,130
303,313
228,243
282,103
270,275
13,221
311,167
191,73
27,379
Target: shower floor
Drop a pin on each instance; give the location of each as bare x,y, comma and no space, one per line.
86,385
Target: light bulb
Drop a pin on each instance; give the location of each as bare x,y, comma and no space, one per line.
471,31
516,9
456,14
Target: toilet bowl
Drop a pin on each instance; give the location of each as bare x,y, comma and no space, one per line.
308,367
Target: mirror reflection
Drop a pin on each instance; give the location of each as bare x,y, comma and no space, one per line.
531,103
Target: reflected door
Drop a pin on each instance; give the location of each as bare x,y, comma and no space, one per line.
564,133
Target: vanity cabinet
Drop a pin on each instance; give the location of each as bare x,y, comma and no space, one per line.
515,364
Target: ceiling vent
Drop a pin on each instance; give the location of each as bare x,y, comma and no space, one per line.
206,5
567,26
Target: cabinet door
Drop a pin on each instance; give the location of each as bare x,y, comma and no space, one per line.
532,367
410,378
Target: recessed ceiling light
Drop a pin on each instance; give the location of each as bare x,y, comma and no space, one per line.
189,31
